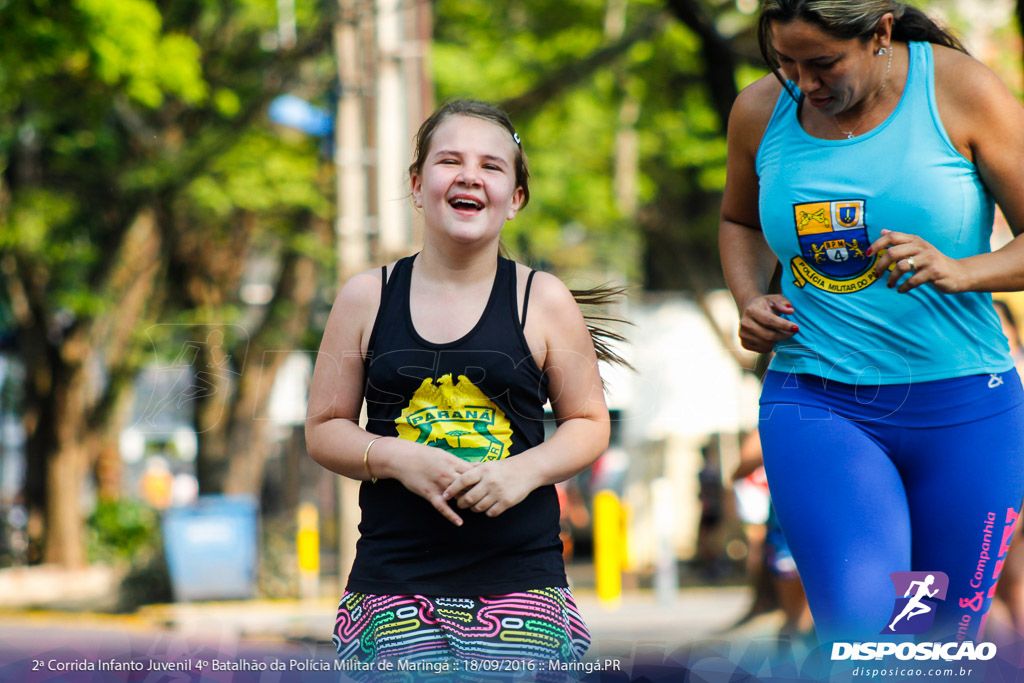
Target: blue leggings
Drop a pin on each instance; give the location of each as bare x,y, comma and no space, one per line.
860,497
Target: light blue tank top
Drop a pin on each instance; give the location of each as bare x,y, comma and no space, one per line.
823,202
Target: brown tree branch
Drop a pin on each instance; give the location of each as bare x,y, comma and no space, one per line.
286,318
569,75
131,287
719,60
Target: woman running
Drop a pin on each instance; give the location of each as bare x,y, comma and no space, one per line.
891,416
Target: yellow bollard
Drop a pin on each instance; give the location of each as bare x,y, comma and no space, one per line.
308,546
608,547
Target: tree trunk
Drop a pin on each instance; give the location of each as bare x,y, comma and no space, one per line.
626,178
63,405
233,385
719,60
54,422
104,445
249,448
39,423
248,439
133,284
66,471
212,390
287,317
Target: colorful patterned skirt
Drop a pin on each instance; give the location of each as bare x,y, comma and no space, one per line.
534,635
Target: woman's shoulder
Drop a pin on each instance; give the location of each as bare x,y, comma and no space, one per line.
964,79
973,101
753,108
759,96
946,57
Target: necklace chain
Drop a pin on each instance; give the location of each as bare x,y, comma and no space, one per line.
849,133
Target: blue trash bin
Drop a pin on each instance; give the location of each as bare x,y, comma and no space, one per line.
211,548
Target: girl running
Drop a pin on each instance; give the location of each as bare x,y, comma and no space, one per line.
455,351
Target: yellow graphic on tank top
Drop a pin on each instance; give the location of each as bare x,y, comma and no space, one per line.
458,418
833,246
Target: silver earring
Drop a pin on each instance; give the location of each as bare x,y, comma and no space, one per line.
881,51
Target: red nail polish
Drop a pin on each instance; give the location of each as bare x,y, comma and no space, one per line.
868,252
795,328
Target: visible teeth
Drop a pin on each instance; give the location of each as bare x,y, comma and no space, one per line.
466,203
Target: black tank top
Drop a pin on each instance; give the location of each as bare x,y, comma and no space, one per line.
481,398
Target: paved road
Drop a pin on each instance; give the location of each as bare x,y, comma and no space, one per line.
695,613
636,628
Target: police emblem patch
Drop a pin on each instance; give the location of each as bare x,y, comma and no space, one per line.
833,240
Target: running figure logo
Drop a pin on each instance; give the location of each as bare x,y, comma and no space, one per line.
917,597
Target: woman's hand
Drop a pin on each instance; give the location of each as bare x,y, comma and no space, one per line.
762,325
426,471
492,487
909,254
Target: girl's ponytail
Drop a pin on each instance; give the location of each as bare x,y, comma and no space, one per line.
602,334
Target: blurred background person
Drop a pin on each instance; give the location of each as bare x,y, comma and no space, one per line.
769,554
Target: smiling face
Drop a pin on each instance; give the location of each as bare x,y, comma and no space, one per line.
467,182
833,73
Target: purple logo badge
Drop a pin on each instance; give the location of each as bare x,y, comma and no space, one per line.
917,597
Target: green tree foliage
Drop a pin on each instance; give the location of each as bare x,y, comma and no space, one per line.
119,530
139,176
602,89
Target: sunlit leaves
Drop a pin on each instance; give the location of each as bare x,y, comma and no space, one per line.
263,174
496,50
32,219
106,105
227,102
128,46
